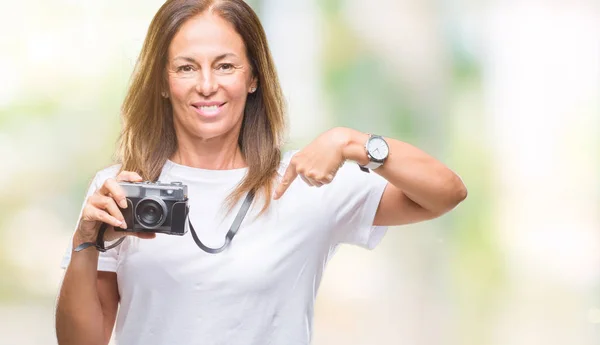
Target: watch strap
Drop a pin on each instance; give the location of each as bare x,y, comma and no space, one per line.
370,166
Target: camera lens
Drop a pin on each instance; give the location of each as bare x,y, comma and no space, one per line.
151,212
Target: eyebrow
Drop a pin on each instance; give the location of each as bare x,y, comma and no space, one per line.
190,59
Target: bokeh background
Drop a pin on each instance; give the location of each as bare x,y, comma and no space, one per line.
504,92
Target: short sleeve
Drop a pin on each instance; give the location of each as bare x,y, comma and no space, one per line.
107,261
353,198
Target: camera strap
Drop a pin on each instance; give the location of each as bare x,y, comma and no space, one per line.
99,244
232,230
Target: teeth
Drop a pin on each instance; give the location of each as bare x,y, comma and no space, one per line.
213,109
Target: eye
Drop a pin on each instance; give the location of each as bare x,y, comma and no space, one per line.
225,67
185,68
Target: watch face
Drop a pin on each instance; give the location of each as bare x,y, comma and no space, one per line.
378,148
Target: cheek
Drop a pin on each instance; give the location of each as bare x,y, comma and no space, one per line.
179,88
238,82
236,88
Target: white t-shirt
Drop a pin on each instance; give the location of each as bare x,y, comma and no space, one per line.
261,290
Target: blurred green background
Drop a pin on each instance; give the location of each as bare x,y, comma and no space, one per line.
505,93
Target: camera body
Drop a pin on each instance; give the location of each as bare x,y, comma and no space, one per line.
155,207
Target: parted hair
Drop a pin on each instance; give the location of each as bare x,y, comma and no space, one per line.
148,137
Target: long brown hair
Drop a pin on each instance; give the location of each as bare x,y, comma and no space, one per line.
148,136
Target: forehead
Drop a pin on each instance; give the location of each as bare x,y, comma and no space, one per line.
206,35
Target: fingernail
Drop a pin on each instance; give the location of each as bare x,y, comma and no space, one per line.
123,203
123,225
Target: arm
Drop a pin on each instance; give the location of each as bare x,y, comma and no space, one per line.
88,301
420,187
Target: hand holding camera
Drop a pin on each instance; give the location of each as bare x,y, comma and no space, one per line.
105,206
141,209
154,207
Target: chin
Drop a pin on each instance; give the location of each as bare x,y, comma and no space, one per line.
212,131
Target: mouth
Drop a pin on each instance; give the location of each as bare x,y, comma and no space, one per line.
208,109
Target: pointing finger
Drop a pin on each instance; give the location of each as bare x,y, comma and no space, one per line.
289,177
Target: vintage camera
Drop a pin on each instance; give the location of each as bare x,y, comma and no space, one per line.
155,207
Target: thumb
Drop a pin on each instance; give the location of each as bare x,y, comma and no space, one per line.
144,235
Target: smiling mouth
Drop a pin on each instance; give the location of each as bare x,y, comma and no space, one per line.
208,110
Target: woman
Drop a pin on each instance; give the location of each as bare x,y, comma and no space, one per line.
205,109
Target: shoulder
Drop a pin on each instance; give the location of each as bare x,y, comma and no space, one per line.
101,176
105,174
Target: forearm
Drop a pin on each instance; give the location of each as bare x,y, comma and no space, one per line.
79,318
422,178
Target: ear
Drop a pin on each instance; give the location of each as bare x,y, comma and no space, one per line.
253,85
164,85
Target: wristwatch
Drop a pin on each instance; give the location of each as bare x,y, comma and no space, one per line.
377,151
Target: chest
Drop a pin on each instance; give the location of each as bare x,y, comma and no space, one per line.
288,242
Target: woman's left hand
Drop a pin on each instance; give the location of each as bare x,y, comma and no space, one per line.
318,162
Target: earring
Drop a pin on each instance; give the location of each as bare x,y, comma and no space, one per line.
252,89
164,94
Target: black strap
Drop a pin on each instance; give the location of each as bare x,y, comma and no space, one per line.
232,230
99,241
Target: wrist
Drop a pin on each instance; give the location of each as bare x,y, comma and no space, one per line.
80,238
353,148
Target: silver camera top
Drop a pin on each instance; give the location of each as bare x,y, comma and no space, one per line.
166,191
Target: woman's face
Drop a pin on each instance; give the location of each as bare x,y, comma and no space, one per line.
209,78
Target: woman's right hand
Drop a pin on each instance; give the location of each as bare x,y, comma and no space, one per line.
101,207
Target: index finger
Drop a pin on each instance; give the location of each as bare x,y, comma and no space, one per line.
129,176
289,177
111,187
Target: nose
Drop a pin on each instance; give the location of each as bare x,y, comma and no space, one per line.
207,83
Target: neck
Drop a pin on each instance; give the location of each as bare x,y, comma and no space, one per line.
209,154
